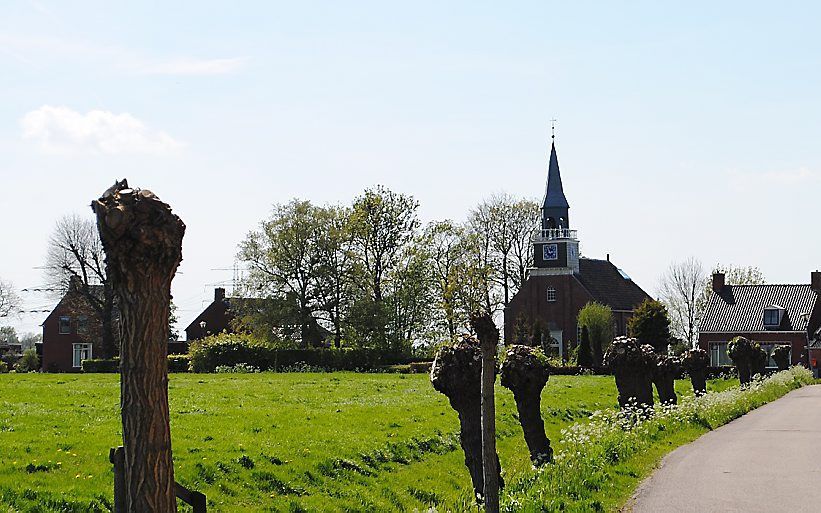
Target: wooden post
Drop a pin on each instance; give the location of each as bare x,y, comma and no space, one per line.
142,240
117,458
489,338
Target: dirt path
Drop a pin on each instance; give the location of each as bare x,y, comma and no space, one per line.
767,461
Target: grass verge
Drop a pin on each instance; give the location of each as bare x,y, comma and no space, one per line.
599,463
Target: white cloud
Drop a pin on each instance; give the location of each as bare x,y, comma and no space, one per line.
65,131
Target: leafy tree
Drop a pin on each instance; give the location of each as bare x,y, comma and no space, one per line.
335,289
30,340
504,226
409,299
651,325
75,256
8,335
9,300
28,362
456,276
284,260
383,224
173,334
585,357
598,319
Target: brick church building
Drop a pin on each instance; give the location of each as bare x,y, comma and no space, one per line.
561,281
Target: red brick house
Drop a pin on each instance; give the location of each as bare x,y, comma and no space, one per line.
562,282
215,319
72,332
768,314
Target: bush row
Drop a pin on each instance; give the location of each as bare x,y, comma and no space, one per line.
229,350
176,363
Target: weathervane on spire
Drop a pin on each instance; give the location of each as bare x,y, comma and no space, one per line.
553,128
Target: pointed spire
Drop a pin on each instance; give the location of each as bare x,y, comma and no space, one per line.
554,196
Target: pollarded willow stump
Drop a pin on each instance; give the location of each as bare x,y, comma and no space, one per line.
525,372
742,352
781,355
695,362
633,370
664,377
457,372
759,363
142,240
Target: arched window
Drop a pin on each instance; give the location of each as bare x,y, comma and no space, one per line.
551,223
551,295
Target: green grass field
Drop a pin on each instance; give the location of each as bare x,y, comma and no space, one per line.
277,442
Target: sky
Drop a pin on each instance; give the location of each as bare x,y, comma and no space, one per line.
682,130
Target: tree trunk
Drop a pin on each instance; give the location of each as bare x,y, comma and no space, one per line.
530,416
489,339
143,240
698,378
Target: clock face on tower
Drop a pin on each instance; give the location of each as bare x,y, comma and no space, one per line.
550,252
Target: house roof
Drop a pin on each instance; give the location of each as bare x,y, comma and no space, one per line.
554,195
607,285
740,308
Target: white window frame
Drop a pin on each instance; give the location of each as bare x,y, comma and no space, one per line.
81,351
551,295
720,350
67,320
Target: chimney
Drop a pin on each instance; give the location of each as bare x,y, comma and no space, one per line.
815,281
608,257
75,283
219,294
718,282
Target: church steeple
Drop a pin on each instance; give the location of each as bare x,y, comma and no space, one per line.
555,207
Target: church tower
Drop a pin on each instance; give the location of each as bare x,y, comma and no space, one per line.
555,245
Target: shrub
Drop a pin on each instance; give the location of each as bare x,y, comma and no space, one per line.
101,366
781,355
178,362
4,367
29,362
650,324
599,321
232,349
240,368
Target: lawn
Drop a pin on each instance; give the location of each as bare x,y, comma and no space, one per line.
275,442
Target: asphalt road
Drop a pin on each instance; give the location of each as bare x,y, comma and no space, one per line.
767,461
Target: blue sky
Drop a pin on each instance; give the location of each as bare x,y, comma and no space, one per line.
683,130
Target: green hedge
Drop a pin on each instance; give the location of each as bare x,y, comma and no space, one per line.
230,350
179,362
176,363
100,365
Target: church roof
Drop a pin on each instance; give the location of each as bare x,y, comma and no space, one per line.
554,195
608,285
740,308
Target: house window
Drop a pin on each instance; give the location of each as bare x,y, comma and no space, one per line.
718,354
82,324
769,349
65,325
551,295
772,317
81,352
